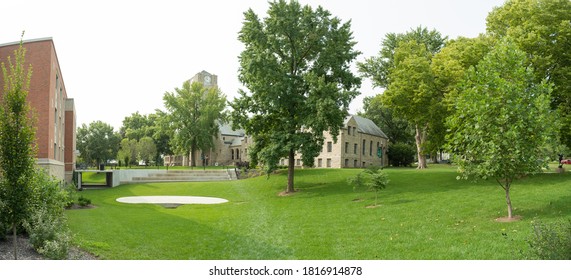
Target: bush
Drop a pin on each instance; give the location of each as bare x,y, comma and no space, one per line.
551,241
46,224
82,201
401,154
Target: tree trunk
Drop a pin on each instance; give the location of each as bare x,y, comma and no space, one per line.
508,200
192,162
15,240
419,138
291,161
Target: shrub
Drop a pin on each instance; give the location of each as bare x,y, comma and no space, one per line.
550,241
46,224
401,154
82,201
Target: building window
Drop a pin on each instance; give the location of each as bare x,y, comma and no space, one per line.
329,147
298,162
371,148
363,164
320,162
232,153
355,149
346,147
354,131
346,162
364,144
349,130
328,162
355,163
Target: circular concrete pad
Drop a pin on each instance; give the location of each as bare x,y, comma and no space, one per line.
172,199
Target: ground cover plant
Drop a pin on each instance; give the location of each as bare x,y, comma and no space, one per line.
424,214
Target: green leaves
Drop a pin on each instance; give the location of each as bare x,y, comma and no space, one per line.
194,114
97,142
296,69
499,114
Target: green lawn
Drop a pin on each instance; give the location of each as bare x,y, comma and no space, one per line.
424,214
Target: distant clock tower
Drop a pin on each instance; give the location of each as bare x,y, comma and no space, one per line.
205,78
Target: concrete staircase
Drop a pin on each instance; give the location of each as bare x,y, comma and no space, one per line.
187,176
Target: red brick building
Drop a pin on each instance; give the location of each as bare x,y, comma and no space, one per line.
55,131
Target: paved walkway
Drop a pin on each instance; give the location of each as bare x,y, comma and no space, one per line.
172,199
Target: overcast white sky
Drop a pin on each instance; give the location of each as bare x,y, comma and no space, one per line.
118,57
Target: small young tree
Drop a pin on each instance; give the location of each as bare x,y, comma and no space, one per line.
17,143
502,121
373,178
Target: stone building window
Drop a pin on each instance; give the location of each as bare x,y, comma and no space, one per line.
346,162
328,162
371,148
355,148
320,162
349,130
346,147
329,147
364,144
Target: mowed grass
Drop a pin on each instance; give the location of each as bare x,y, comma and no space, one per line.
424,214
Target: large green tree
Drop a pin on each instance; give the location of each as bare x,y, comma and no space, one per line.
403,68
195,112
97,142
502,120
17,143
541,28
296,68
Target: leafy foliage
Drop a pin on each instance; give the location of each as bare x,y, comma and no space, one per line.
296,67
542,29
502,121
46,224
97,142
401,154
550,241
17,143
194,114
403,67
147,149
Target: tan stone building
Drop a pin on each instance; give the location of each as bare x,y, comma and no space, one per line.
56,127
360,144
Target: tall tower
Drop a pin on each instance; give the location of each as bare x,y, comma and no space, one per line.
205,78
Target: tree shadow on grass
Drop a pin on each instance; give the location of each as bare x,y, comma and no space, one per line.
558,208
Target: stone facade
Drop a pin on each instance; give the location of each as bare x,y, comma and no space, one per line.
55,130
359,145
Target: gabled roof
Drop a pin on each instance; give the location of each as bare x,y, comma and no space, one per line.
226,129
366,126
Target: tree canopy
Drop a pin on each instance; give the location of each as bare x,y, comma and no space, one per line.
97,143
194,114
542,29
296,69
403,68
502,122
